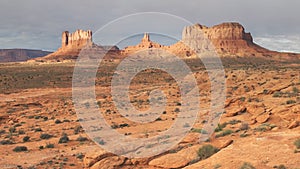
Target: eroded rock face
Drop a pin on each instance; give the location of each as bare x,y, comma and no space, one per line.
79,37
228,39
145,43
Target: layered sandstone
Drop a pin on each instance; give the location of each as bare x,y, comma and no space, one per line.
20,55
78,38
73,43
145,43
225,40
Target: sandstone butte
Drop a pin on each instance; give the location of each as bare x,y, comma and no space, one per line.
228,40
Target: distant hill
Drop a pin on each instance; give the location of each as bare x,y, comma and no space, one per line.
19,55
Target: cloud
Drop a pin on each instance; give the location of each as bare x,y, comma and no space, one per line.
280,43
43,21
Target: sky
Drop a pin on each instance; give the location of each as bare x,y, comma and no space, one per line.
38,24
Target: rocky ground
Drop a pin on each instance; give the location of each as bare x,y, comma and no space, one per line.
259,129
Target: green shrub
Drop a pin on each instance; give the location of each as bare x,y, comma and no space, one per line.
64,138
247,166
232,122
46,136
21,132
290,102
199,131
38,130
281,166
5,142
20,149
297,143
206,151
77,129
26,139
224,133
57,121
277,94
79,156
244,126
244,135
80,138
220,127
12,129
49,145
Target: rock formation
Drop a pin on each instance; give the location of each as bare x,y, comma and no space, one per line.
20,55
77,38
227,40
145,43
73,43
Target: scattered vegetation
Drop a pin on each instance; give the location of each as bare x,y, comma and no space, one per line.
6,142
224,133
206,151
80,138
64,138
20,149
26,139
281,166
46,136
49,145
199,131
290,102
244,126
220,127
247,166
297,143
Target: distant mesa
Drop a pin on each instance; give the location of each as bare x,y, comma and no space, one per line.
228,40
20,55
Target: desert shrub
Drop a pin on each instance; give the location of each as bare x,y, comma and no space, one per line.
296,90
247,166
277,94
49,145
38,130
64,138
290,102
80,138
224,133
220,127
199,131
6,142
232,122
26,139
79,156
99,140
261,128
206,151
244,135
297,143
21,132
12,129
57,121
244,126
2,132
46,136
77,129
20,149
66,120
281,166
242,99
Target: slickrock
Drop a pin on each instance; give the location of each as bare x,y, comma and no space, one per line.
294,124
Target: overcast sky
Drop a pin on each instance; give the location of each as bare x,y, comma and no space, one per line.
38,24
